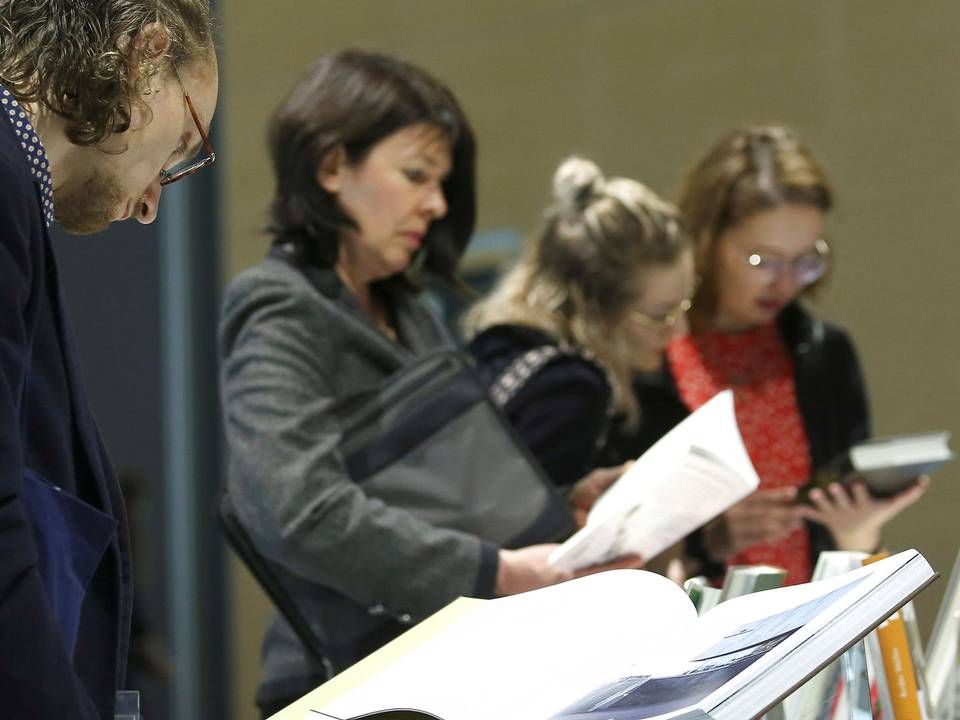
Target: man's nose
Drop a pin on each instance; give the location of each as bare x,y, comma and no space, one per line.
149,203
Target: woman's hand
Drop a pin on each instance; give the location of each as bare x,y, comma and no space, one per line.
763,517
853,516
590,487
528,569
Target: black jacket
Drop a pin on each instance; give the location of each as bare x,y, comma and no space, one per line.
560,411
830,393
65,584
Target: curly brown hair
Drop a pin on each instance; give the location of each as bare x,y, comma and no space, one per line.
73,56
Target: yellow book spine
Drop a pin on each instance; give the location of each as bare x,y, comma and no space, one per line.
898,664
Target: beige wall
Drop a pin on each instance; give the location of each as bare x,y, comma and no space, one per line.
643,86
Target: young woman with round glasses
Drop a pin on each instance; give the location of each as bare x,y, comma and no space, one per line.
755,205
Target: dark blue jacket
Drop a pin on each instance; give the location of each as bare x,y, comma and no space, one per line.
560,411
65,582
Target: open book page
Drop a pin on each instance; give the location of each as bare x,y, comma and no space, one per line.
627,645
671,506
529,655
695,472
747,653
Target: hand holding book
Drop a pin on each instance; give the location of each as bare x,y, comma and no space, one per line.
693,473
529,568
588,490
854,515
764,516
888,465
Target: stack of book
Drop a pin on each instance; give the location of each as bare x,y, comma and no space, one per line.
904,681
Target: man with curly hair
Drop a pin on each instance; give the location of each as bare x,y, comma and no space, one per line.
102,102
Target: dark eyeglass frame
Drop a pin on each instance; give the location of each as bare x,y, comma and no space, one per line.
166,178
775,266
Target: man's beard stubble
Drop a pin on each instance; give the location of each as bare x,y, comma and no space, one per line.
90,206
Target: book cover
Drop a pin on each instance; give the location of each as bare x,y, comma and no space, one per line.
624,645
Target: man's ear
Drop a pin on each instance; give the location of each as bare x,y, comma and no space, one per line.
330,172
152,41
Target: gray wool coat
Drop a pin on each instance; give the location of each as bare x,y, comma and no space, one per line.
362,571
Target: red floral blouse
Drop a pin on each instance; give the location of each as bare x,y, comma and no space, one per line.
758,367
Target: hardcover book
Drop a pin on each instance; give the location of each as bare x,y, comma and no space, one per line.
620,645
890,464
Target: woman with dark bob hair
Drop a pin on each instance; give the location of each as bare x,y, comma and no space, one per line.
374,162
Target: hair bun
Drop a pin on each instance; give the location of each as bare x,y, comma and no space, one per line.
575,183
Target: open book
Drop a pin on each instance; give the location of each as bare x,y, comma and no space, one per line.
889,464
691,475
624,645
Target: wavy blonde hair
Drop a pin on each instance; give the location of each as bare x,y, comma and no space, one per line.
578,279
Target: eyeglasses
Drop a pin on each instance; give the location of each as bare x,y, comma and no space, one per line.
186,169
806,269
666,321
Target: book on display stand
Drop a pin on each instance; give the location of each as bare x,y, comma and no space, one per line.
619,645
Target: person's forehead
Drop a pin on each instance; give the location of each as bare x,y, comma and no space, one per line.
423,141
783,227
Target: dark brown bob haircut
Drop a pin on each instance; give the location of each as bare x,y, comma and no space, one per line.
354,99
74,57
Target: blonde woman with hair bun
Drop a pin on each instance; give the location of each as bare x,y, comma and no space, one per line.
561,327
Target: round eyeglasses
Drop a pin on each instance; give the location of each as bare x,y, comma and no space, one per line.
666,321
806,269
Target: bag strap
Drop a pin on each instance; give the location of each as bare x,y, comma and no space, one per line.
509,382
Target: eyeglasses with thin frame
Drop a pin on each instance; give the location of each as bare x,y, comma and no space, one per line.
171,176
668,320
806,269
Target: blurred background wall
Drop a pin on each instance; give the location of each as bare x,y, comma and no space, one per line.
643,87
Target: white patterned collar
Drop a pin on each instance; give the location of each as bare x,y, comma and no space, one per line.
32,149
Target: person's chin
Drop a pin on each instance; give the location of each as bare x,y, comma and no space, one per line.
83,225
90,208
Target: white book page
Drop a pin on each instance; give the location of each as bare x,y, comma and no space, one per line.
528,655
672,506
712,428
691,475
732,646
903,450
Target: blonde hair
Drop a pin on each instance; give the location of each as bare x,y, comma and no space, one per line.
747,172
578,278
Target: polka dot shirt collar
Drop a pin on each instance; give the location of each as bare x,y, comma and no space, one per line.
33,150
